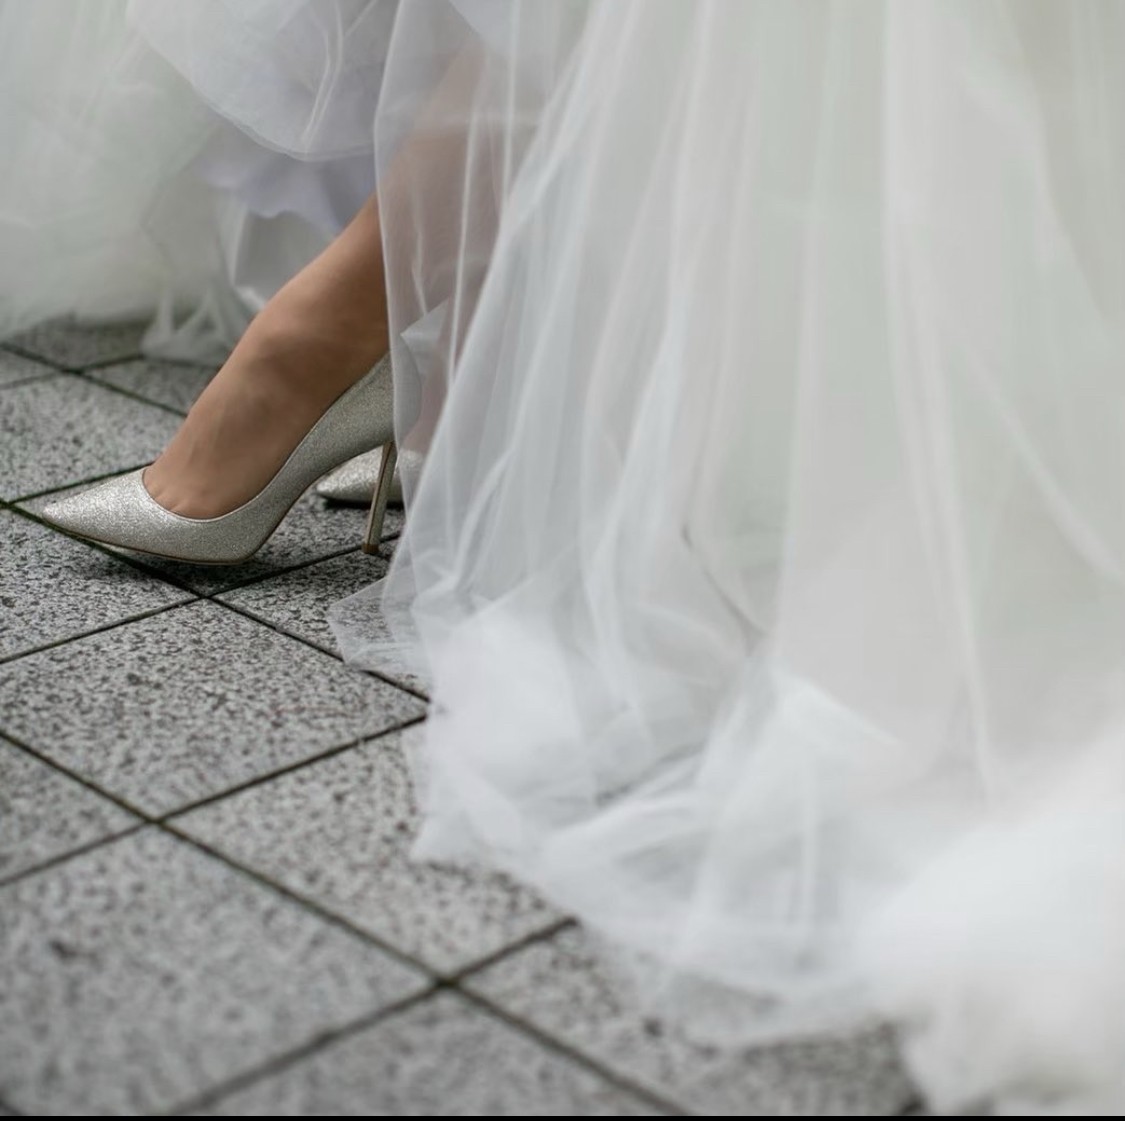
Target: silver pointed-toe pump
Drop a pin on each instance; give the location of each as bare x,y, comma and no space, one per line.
121,512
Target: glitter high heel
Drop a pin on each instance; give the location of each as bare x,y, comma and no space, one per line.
121,512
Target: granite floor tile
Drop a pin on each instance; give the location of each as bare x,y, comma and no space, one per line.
74,345
299,602
14,368
440,1058
311,531
139,974
340,831
45,814
53,587
63,429
188,703
561,987
174,384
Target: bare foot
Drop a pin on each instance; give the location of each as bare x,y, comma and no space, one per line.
319,335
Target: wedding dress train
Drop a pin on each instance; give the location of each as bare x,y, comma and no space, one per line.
768,558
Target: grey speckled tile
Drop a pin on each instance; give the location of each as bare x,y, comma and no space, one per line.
189,703
15,368
312,530
174,384
299,602
52,587
74,345
140,974
60,430
441,1058
339,832
562,988
44,814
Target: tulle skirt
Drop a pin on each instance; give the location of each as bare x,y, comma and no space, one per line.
767,364
761,373
179,160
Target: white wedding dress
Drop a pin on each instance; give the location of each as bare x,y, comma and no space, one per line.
767,365
179,159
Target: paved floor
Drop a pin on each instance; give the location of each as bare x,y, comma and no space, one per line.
206,900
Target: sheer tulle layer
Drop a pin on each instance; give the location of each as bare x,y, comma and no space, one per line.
767,558
176,160
95,211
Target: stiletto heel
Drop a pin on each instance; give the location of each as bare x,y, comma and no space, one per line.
121,511
378,512
353,483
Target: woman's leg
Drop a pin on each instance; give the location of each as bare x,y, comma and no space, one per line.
321,333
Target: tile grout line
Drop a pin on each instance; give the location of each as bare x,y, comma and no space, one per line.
546,1039
147,565
50,363
7,659
376,941
147,818
281,1062
379,675
75,776
90,375
262,577
66,368
139,565
310,906
116,360
48,373
285,1061
90,481
467,972
403,957
289,768
70,854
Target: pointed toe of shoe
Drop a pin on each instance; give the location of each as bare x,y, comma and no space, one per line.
98,513
120,512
